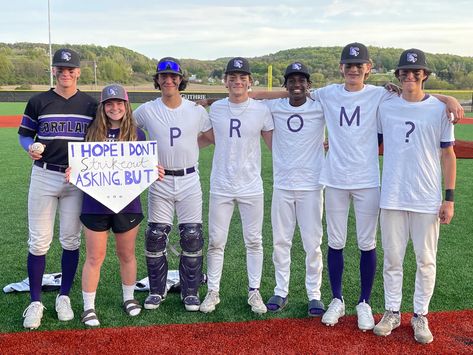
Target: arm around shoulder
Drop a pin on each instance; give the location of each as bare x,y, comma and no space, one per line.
206,138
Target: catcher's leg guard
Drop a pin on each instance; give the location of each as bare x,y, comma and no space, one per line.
156,236
190,266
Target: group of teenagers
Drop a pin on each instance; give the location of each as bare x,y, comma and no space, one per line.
415,128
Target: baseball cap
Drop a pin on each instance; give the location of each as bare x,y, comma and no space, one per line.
412,59
66,57
238,64
355,53
169,65
297,68
113,91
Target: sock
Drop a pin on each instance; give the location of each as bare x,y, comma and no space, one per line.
36,266
89,300
89,303
128,292
335,270
367,272
69,262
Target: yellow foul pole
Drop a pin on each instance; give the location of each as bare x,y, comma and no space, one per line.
270,77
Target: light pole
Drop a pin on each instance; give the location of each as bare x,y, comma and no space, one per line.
50,48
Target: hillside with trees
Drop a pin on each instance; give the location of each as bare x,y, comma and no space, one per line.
26,64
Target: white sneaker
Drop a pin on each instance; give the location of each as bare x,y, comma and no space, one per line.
256,302
336,309
388,323
33,314
422,333
211,300
63,308
365,316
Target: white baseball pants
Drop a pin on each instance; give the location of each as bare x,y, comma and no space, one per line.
304,208
423,228
181,194
220,214
48,192
366,206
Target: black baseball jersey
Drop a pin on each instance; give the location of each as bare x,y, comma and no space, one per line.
54,121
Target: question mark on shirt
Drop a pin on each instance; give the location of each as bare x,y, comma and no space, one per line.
413,127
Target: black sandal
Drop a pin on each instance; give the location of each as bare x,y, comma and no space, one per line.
130,306
316,308
276,303
88,316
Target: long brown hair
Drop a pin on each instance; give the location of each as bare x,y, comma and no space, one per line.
97,131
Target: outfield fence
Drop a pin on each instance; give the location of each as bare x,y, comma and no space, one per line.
134,96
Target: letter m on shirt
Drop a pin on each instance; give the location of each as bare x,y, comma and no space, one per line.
349,121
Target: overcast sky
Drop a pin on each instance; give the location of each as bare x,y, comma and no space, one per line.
210,29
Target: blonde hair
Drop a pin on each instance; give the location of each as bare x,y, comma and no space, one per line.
97,131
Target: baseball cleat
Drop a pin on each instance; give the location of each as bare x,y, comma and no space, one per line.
191,303
387,324
211,300
63,308
153,301
365,316
256,302
336,309
422,333
33,314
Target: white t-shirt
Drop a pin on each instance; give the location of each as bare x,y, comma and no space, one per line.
298,136
412,136
236,166
176,131
350,116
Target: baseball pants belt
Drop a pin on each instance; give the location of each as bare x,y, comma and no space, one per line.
180,172
49,166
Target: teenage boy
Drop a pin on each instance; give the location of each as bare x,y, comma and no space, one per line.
175,123
237,124
54,118
298,156
418,149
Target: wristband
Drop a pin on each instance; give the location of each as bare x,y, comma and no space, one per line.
449,195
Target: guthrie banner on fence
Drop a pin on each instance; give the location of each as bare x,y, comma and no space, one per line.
113,173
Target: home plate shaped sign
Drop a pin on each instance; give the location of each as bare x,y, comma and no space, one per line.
113,173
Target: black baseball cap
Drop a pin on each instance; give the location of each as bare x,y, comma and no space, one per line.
413,59
355,53
113,91
66,57
169,65
238,65
296,68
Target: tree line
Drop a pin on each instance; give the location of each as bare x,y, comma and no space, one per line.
27,64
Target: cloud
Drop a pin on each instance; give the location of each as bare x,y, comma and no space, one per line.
213,29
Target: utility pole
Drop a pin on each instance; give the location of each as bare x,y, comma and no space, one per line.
50,48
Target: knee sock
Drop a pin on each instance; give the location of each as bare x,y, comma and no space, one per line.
335,270
367,272
36,266
69,262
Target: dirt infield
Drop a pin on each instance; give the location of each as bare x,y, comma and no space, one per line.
10,121
453,334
